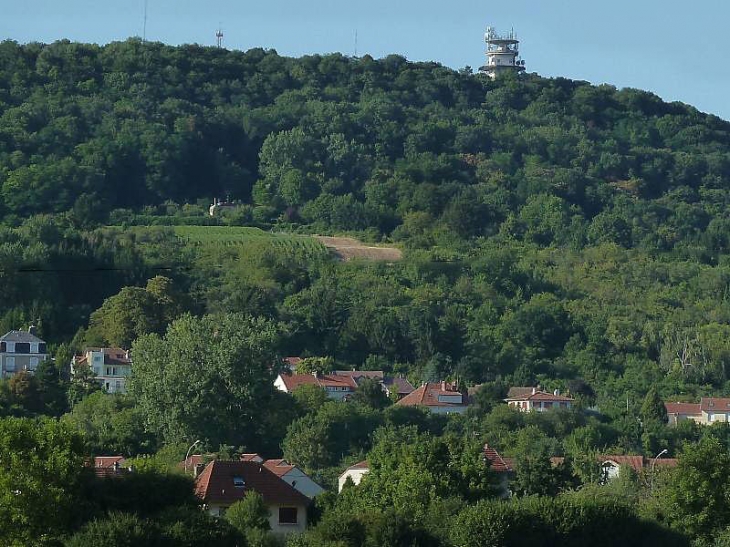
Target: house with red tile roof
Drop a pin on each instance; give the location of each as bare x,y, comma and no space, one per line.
439,398
503,467
294,476
336,387
223,483
340,384
354,473
708,411
287,472
534,399
111,367
677,412
109,466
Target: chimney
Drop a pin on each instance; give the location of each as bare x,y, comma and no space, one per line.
443,385
534,390
556,392
32,329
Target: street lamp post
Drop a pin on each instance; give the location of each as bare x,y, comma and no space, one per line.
653,463
187,454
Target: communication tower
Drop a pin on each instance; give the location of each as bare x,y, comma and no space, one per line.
219,37
502,54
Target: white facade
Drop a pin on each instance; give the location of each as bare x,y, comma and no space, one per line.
354,473
283,519
111,367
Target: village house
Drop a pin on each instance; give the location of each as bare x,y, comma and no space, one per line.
354,473
527,399
439,398
503,467
340,384
708,411
111,367
110,466
21,351
223,483
289,473
612,464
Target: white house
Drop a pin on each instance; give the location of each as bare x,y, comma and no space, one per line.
111,367
527,399
223,483
355,473
21,351
336,387
708,411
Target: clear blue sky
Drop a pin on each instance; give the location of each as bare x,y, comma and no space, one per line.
676,49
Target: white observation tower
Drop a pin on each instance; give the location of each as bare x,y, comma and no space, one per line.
502,54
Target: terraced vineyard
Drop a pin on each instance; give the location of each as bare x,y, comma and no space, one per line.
239,235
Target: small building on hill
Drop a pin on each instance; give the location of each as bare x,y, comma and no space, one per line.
223,483
439,398
526,399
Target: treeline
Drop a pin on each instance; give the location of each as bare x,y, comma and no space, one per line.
412,151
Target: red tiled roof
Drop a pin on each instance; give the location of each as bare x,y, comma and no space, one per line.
428,395
279,467
539,396
497,462
689,409
667,462
635,462
293,381
715,404
515,392
215,484
357,374
359,465
109,466
252,457
404,386
107,461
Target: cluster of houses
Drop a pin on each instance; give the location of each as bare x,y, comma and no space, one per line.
708,411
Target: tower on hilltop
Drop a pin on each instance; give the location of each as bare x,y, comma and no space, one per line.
502,54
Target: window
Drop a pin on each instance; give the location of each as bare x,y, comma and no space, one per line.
3,347
33,363
288,515
97,358
114,371
238,482
118,385
10,364
42,348
22,347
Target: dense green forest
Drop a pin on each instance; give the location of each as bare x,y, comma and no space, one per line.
554,232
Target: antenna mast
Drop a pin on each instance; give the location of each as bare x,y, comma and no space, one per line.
144,24
219,37
355,42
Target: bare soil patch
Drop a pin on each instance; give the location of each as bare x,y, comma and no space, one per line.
348,248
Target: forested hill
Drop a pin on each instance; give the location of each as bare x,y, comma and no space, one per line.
410,151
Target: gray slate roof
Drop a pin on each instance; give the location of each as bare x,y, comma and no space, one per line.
20,336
